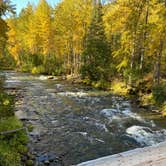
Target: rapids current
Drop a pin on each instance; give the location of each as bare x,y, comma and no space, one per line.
75,123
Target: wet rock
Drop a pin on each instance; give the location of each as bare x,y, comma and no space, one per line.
42,158
51,77
46,162
46,158
21,115
52,156
34,133
54,122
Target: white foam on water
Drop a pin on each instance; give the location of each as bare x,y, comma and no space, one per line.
83,133
42,78
12,81
95,122
127,112
145,135
118,114
73,94
126,104
89,138
101,126
109,112
99,140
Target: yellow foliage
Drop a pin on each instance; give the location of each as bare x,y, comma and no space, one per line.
14,45
119,88
6,102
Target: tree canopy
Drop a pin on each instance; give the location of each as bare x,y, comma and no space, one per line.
99,41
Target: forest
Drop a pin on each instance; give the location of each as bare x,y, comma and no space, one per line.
103,43
100,42
97,41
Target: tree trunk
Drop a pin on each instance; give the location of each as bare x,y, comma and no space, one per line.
144,37
158,63
132,57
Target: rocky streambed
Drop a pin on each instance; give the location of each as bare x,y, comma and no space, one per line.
70,123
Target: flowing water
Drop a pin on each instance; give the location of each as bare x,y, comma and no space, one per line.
75,123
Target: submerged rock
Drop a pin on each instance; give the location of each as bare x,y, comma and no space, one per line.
47,158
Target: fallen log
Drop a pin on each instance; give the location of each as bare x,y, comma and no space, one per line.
13,131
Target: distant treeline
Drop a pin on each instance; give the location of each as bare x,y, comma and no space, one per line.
100,42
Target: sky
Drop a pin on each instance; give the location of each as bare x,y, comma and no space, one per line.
22,3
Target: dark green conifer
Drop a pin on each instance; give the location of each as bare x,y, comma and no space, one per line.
96,55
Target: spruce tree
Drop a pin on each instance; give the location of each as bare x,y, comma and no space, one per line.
96,55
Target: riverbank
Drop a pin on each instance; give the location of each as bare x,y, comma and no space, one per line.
145,93
148,156
12,140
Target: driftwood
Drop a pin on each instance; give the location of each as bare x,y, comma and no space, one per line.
13,131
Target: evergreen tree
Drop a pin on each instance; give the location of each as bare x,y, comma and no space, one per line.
96,55
5,6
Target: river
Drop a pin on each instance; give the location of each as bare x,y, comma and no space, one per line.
74,123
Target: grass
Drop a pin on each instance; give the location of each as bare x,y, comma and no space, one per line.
13,145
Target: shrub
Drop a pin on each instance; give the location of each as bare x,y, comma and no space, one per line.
13,144
6,105
159,94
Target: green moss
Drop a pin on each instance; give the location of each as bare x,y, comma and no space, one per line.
30,128
12,145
